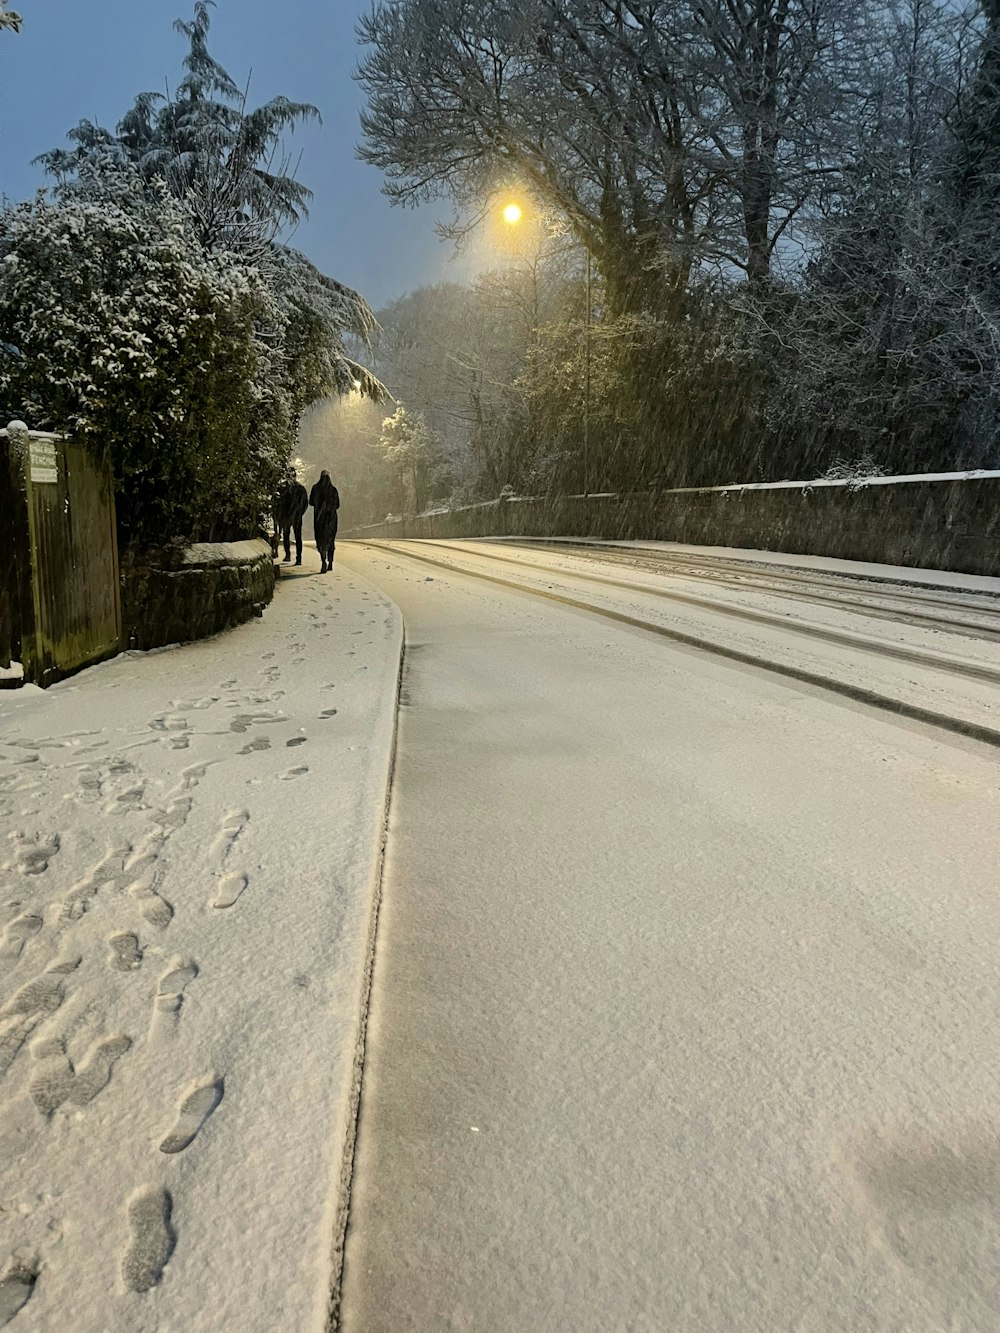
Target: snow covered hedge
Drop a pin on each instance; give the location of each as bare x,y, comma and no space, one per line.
116,329
148,306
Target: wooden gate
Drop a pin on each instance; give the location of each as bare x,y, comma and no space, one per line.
61,600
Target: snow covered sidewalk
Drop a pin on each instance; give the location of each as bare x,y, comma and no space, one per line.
186,899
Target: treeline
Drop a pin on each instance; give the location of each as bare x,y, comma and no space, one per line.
792,209
149,306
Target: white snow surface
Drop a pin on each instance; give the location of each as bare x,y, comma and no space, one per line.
852,483
225,553
191,843
685,999
860,569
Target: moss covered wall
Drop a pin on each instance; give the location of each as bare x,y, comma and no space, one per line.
171,596
950,521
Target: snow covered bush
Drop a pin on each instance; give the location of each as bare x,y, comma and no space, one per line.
116,327
148,305
854,469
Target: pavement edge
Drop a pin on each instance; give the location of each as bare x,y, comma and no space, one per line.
345,1178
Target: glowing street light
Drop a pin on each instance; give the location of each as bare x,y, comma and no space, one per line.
512,215
586,389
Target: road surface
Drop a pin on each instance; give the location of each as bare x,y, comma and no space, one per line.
684,1010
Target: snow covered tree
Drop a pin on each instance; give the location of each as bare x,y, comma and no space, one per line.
209,172
670,134
225,163
890,345
975,173
412,452
115,327
791,209
223,159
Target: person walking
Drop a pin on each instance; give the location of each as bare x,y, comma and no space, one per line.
293,501
325,501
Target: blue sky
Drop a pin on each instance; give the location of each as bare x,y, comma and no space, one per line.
79,59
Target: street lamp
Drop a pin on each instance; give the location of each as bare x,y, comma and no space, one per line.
586,388
512,214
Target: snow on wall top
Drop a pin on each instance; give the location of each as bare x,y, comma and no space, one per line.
852,483
32,434
209,554
849,483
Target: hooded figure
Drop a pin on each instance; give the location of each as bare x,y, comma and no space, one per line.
325,502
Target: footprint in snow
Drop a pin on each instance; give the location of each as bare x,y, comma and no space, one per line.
174,981
58,1080
32,855
153,1239
126,955
257,744
195,1109
16,935
170,990
229,888
16,1287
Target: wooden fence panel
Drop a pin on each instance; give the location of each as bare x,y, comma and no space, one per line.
70,611
13,535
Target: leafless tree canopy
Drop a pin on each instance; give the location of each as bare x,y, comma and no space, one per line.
797,200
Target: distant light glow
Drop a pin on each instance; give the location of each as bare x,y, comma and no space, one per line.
512,213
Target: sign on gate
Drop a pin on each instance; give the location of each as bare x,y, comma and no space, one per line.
42,461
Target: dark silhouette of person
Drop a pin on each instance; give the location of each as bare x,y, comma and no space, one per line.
325,502
290,506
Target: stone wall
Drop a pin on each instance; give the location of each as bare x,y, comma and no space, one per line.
171,596
941,521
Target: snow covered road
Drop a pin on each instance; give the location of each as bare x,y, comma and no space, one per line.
851,636
685,999
186,905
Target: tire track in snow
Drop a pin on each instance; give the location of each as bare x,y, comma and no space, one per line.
912,656
856,693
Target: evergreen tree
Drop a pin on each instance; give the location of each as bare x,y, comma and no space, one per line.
220,166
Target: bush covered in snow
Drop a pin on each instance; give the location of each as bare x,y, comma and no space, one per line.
118,329
148,305
854,469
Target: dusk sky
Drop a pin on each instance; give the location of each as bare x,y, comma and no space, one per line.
74,60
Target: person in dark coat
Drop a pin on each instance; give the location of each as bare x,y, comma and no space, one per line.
291,504
325,502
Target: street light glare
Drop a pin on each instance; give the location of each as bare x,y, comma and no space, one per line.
512,213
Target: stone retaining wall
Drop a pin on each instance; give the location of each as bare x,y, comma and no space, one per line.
941,521
171,596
